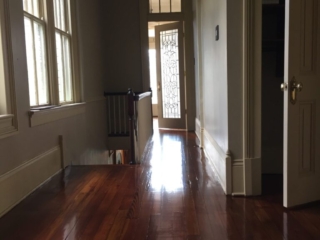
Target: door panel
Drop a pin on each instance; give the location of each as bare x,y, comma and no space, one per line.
302,109
170,76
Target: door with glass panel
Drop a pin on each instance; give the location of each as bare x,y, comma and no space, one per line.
170,76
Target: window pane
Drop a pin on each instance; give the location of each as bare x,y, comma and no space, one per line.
36,8
62,15
60,67
27,6
32,7
41,65
176,6
30,61
67,69
165,6
56,10
59,13
170,76
154,6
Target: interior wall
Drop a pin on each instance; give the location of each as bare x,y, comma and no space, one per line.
214,71
122,47
84,134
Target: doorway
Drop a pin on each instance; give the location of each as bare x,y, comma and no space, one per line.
272,76
167,79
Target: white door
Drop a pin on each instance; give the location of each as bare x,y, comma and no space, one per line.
170,76
302,109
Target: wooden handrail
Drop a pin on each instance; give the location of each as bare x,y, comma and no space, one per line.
141,96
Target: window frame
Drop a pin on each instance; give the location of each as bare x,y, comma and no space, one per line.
165,13
8,117
68,109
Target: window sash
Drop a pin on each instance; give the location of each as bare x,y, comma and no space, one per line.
36,60
64,66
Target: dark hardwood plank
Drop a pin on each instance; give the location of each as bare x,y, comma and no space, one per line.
173,194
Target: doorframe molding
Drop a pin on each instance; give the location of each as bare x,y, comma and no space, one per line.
252,29
186,17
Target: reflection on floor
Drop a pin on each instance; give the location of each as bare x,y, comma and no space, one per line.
174,194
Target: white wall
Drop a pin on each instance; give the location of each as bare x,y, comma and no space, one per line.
214,71
84,135
221,71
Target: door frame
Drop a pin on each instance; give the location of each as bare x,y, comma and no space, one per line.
252,41
186,16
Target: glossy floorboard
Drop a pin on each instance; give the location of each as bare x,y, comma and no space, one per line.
174,194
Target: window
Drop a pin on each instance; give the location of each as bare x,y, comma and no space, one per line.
8,119
50,52
164,6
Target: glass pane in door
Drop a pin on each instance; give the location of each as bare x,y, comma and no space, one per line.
170,76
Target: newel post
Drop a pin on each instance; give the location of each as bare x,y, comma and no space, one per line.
131,112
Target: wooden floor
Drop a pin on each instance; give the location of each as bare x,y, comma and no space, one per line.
174,194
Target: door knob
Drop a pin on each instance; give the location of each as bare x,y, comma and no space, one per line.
284,87
159,87
295,87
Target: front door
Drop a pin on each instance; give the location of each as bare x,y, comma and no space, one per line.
170,76
302,103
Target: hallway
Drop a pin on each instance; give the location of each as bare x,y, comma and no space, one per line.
174,194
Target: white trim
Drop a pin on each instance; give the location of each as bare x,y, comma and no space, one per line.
7,126
199,66
39,117
6,121
237,178
8,117
252,171
221,162
13,185
251,92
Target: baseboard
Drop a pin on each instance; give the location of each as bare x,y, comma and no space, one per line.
145,151
246,177
198,128
252,171
220,161
21,181
238,178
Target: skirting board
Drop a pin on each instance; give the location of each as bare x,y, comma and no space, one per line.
145,151
252,171
198,129
221,162
21,181
237,178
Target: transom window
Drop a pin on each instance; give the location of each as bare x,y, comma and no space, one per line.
50,64
164,6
